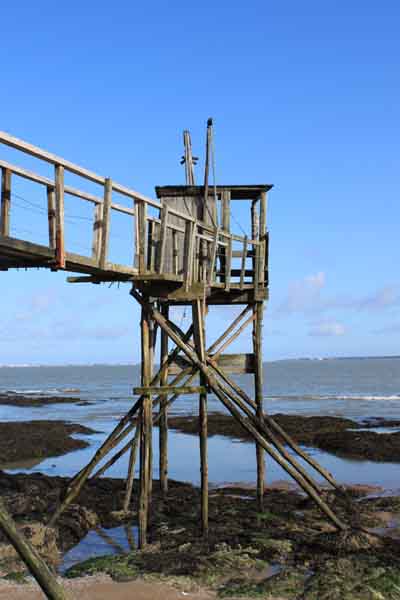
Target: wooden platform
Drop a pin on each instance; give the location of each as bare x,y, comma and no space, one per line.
182,249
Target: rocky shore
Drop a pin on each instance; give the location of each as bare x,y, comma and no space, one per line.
286,551
28,440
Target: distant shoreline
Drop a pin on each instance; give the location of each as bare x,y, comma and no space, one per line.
301,358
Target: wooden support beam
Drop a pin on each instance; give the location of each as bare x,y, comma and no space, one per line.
133,444
146,420
60,223
227,331
258,309
123,428
5,202
170,389
252,423
199,332
106,222
228,265
31,558
51,216
231,363
163,411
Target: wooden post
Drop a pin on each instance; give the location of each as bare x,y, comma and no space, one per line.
105,229
31,558
60,234
258,387
145,432
5,202
141,218
51,213
198,309
163,421
131,469
163,238
97,232
257,348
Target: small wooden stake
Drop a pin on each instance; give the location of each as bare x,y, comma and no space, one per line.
31,558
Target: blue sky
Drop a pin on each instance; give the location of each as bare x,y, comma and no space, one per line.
304,96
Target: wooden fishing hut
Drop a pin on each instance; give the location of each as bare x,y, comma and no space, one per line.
186,253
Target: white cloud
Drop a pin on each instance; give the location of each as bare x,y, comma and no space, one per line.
304,295
328,328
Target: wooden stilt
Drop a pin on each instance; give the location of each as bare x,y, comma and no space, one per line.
124,427
254,426
258,388
198,309
145,432
163,413
31,558
131,469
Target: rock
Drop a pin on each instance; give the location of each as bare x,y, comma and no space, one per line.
43,538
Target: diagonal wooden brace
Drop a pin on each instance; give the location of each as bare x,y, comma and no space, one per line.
259,432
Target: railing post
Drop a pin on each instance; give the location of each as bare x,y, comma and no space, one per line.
106,213
97,232
188,254
163,239
5,202
141,216
51,213
60,234
228,264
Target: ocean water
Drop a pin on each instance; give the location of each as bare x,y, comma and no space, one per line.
353,388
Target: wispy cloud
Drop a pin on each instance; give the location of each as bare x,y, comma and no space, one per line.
391,328
328,329
304,295
308,296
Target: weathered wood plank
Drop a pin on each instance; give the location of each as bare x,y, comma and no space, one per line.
105,225
60,232
169,389
5,202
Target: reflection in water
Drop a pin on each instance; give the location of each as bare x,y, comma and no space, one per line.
101,542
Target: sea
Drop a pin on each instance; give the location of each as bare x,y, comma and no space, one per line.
355,388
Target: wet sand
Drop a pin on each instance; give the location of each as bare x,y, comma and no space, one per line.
102,587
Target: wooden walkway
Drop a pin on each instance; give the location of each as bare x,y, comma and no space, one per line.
172,247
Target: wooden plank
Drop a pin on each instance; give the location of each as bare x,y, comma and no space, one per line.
175,253
5,202
228,265
14,142
168,389
30,176
97,232
163,240
231,363
60,233
123,209
188,255
141,241
51,215
238,192
226,210
105,223
243,267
